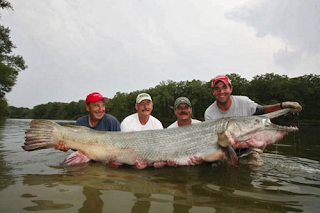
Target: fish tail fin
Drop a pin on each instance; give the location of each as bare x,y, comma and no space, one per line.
231,155
76,158
39,136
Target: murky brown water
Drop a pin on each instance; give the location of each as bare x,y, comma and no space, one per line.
289,181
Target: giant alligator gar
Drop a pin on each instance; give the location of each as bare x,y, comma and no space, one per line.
206,140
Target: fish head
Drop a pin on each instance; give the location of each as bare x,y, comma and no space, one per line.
254,131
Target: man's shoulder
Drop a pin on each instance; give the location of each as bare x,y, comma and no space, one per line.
155,122
240,98
174,124
210,110
82,121
214,104
108,117
243,101
130,117
194,121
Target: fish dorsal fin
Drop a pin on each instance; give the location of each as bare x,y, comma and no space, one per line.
76,127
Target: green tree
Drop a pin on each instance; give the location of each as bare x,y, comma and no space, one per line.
305,89
75,110
10,64
4,110
39,111
264,89
122,105
239,84
5,4
19,112
269,88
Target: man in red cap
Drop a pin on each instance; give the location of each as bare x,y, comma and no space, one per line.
97,119
227,105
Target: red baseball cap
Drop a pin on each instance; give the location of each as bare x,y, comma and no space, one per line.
222,78
94,97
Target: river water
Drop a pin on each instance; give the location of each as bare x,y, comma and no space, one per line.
288,181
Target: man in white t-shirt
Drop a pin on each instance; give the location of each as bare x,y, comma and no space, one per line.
142,120
227,105
183,111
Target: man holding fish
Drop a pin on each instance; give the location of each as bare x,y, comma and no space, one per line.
227,105
141,120
97,119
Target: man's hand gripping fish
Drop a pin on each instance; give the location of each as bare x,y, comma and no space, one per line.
209,140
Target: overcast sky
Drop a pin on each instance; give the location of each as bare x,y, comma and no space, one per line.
75,47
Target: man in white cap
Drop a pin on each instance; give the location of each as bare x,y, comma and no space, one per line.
183,111
142,120
227,105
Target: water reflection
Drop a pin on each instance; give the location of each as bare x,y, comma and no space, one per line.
46,205
6,178
236,186
93,202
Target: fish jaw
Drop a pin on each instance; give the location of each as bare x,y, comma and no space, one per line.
257,133
258,140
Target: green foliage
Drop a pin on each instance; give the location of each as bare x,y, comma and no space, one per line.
269,88
264,89
5,4
10,64
122,104
19,112
8,78
239,84
75,109
4,110
306,91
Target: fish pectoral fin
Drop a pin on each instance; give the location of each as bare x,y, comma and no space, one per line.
231,155
210,157
222,138
76,158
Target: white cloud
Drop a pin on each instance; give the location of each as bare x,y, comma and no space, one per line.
296,22
75,47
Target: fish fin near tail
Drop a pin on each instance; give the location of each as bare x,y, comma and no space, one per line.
39,136
231,155
76,158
